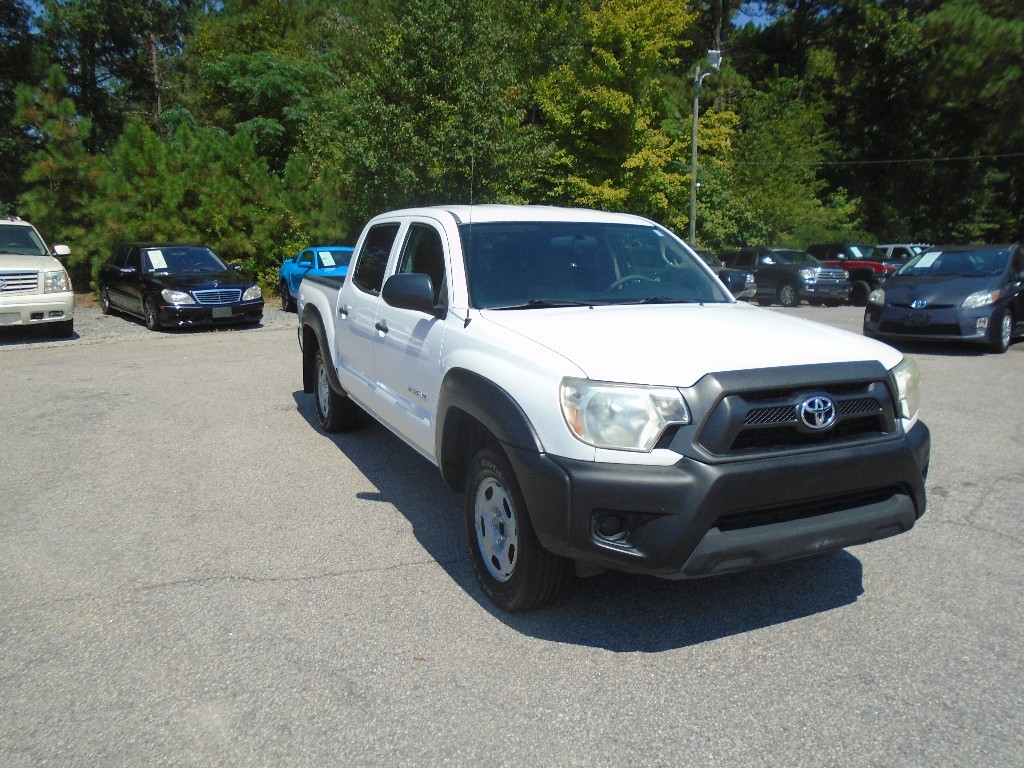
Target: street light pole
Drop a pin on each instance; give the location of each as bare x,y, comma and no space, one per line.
714,61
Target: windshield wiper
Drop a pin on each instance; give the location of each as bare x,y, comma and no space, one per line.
547,304
662,300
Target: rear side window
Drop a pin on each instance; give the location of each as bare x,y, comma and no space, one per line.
373,258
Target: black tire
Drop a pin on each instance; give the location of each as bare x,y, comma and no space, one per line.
859,293
1002,331
149,314
335,412
788,295
105,307
514,570
287,304
62,330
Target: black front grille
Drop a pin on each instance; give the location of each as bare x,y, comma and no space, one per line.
769,421
804,509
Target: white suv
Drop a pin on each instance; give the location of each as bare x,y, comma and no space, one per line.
34,287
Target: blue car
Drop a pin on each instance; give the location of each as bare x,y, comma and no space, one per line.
315,260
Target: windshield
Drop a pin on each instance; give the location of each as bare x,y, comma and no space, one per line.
862,251
792,257
522,265
21,240
179,259
979,262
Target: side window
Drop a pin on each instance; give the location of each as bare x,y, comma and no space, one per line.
423,252
121,256
372,259
134,260
305,258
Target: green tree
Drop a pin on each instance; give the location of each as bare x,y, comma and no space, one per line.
604,111
20,60
61,176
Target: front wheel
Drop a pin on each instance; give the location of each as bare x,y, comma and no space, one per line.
1003,332
286,298
514,570
334,412
105,307
859,292
788,295
150,315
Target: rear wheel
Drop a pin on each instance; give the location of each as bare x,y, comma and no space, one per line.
514,570
334,412
1003,332
286,298
150,315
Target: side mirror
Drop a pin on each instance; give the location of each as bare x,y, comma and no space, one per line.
236,267
412,290
61,251
304,264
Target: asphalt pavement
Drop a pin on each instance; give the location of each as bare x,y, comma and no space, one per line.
192,574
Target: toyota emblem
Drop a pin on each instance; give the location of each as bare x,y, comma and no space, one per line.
818,412
918,304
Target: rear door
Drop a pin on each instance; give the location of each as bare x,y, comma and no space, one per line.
356,316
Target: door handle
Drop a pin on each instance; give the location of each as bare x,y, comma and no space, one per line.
343,311
381,326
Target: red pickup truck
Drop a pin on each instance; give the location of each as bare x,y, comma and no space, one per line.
860,264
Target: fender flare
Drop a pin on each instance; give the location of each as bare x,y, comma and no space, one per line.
465,393
313,330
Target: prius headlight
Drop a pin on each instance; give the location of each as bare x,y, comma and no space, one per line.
620,416
908,385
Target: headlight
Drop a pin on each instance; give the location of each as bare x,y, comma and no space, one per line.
620,416
252,294
877,296
56,282
980,299
908,385
176,297
807,274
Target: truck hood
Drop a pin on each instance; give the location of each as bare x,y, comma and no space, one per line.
676,345
17,262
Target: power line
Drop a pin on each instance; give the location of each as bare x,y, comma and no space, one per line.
894,161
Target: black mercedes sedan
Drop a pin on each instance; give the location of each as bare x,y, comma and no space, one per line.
177,285
953,293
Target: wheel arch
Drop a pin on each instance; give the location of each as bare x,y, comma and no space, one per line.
472,411
314,336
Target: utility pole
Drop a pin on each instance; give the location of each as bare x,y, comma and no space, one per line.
713,61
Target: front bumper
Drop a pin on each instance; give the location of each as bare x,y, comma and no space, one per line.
694,519
188,315
825,290
36,308
943,324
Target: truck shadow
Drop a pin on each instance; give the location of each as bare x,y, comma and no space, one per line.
613,611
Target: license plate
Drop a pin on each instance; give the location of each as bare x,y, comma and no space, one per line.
918,318
222,312
9,318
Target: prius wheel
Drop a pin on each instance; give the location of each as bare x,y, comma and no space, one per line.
1003,332
513,569
150,315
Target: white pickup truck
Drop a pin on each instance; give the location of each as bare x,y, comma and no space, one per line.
603,401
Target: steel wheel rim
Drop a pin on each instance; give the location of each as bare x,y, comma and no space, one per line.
497,531
323,386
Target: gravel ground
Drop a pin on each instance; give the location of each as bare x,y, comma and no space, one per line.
93,327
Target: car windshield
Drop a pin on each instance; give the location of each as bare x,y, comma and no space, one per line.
528,265
980,262
334,257
181,259
20,240
792,257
